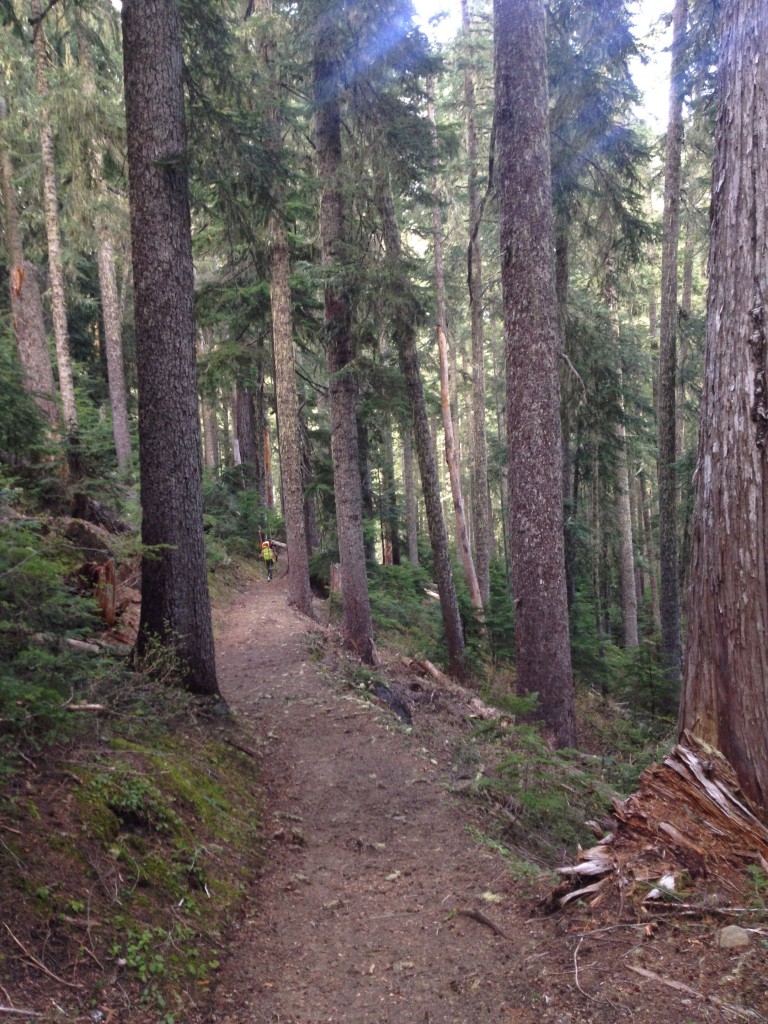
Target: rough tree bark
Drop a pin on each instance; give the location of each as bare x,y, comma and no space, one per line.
725,692
175,605
357,621
670,597
531,342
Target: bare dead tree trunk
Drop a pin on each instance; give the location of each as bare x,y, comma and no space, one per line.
451,455
53,231
110,301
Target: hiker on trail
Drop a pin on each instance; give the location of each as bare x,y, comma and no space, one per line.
269,555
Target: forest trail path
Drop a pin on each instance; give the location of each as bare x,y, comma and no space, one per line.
369,857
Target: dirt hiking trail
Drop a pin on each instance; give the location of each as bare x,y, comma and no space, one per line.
375,902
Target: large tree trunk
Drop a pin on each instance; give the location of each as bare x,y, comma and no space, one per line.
451,453
175,605
670,597
53,231
531,337
725,692
289,436
405,338
481,502
26,305
357,623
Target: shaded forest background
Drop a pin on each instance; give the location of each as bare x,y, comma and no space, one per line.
418,258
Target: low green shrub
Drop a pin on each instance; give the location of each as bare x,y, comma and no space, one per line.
39,612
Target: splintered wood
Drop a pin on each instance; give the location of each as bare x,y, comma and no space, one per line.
687,824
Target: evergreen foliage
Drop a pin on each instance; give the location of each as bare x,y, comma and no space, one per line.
40,610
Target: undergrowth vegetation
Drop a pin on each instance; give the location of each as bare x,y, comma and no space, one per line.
131,845
40,612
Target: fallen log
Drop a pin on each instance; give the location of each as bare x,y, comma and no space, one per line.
478,708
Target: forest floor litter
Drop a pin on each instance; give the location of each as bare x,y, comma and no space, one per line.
380,903
378,885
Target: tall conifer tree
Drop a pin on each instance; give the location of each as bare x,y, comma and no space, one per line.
531,341
175,606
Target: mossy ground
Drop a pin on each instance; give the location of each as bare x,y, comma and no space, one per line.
123,863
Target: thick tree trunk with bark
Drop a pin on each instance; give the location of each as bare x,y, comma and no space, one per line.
357,623
531,340
289,436
53,232
405,339
26,305
481,504
670,596
175,605
725,693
